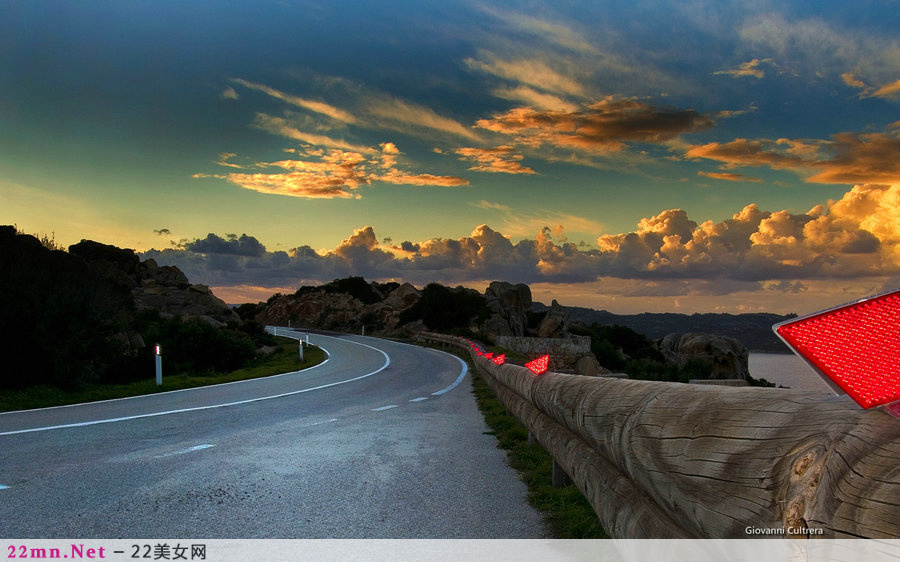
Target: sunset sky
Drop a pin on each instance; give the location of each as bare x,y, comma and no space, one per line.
632,156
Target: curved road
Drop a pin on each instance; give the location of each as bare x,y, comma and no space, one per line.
383,440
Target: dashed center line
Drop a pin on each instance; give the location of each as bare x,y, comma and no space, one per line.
2,487
322,422
383,408
185,451
419,399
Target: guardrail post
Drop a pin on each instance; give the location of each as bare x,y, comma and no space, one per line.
560,478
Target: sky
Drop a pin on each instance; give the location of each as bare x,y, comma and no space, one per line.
639,156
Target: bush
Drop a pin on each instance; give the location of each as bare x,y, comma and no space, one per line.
444,309
193,346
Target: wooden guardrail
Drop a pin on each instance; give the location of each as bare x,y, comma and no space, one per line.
669,460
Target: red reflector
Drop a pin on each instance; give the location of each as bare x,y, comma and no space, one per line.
489,355
857,346
480,353
500,359
539,365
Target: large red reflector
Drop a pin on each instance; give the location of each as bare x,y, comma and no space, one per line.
539,365
856,346
499,359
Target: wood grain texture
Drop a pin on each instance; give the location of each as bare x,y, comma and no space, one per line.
710,461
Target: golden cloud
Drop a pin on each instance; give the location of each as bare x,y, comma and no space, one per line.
749,69
848,158
728,177
501,159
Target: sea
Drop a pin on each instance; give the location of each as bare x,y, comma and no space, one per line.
786,370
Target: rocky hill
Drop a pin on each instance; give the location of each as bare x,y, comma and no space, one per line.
753,330
87,315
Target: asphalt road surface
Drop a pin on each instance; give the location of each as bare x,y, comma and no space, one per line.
383,440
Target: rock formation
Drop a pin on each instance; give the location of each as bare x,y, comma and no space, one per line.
727,356
164,288
508,304
555,324
319,308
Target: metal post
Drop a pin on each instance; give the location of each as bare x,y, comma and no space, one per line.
301,350
158,366
307,338
364,330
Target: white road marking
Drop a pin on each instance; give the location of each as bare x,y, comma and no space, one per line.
185,451
419,399
322,422
2,487
383,408
387,362
459,379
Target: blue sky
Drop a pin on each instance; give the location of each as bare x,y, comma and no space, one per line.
684,156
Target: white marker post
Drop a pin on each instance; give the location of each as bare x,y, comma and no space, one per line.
301,349
158,367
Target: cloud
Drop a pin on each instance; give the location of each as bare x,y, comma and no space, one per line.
847,158
749,69
856,237
817,48
231,245
282,127
162,232
556,33
320,174
533,72
887,91
536,99
728,177
310,105
229,94
501,159
603,126
404,117
397,177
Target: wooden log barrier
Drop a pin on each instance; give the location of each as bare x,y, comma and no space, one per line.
660,460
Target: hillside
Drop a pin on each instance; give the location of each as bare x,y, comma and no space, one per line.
753,330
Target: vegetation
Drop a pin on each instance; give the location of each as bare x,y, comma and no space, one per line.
447,310
566,511
73,323
283,360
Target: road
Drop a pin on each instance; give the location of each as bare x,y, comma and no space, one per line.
383,440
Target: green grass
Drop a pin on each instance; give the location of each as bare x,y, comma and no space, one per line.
565,510
284,360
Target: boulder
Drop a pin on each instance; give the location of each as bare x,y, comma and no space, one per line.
727,357
508,304
587,365
555,323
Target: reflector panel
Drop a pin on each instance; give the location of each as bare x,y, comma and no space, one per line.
857,346
539,365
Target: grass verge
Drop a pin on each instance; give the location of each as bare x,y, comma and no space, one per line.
283,360
565,510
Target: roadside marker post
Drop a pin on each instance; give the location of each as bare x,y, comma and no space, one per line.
158,366
855,348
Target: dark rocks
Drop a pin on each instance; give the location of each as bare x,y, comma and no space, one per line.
727,357
555,324
326,309
508,304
